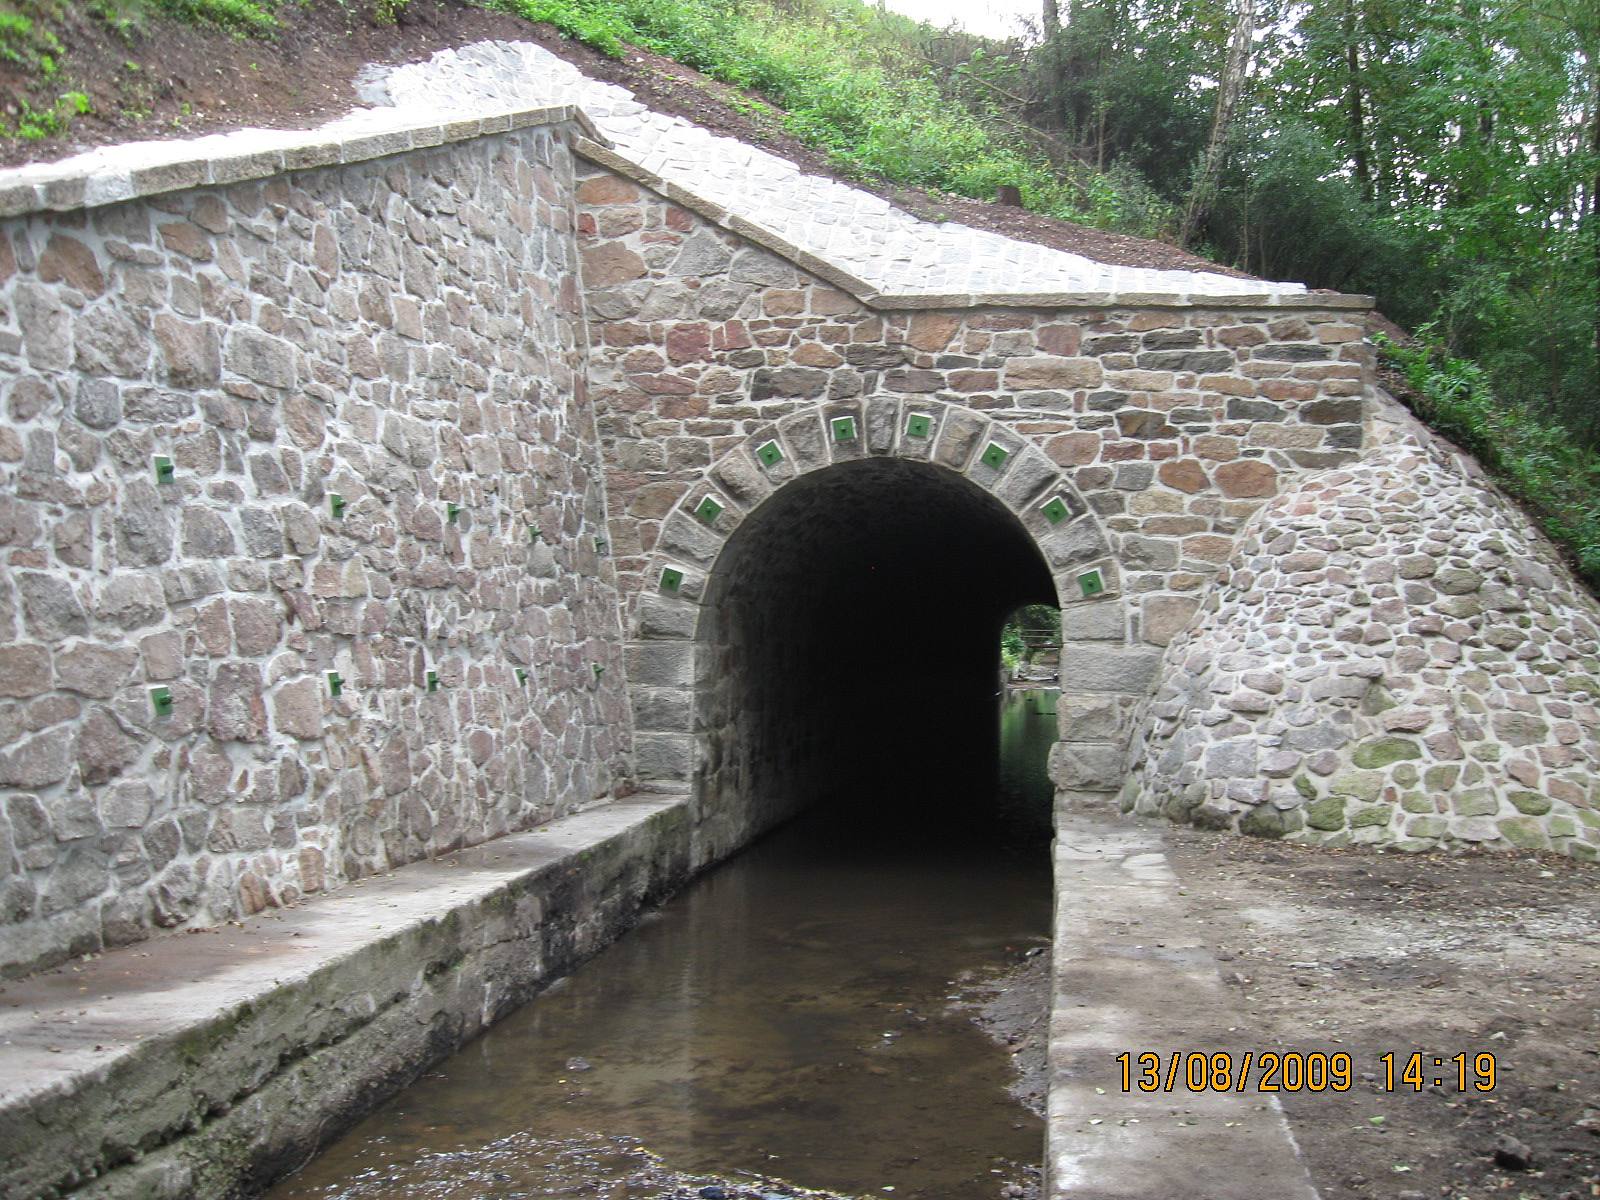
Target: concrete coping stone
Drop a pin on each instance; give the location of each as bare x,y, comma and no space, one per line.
112,174
607,156
70,1038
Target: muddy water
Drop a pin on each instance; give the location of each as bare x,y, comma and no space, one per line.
788,1016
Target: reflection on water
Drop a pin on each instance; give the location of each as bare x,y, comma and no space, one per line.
1027,731
785,1015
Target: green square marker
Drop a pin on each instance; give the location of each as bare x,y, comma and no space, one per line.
522,676
844,429
919,425
451,512
534,533
432,681
994,456
161,701
598,671
770,454
335,683
336,504
599,545
165,472
1090,584
671,579
708,510
1055,510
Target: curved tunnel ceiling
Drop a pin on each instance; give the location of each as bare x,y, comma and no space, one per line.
852,623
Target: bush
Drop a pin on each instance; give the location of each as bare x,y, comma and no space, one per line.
246,17
1534,458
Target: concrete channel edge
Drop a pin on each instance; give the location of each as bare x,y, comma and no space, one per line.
210,1063
1130,975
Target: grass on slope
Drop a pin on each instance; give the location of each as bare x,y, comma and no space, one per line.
1533,458
31,49
848,82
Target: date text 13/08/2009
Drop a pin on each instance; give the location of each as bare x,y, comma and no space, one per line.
1298,1071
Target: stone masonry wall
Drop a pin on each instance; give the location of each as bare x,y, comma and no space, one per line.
1163,429
404,333
1173,424
1393,654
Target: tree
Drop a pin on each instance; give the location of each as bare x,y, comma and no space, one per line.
1230,87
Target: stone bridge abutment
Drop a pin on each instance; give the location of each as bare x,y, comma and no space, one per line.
410,485
1123,444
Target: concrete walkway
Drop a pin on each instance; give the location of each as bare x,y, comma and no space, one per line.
1131,975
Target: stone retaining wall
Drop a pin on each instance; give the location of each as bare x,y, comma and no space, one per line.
358,411
211,1065
403,333
1162,429
1393,654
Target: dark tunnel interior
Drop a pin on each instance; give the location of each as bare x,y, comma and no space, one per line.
853,631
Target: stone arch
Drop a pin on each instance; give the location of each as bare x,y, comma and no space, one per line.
665,659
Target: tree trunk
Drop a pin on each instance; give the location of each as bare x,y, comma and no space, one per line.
1229,88
1594,220
1355,116
1055,88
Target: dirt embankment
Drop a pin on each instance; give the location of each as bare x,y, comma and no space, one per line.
1375,953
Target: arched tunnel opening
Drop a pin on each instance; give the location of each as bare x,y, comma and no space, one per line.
805,1014
852,643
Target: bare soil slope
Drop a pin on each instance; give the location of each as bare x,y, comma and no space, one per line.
179,80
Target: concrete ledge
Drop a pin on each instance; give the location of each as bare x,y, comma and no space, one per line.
1131,975
210,1063
111,174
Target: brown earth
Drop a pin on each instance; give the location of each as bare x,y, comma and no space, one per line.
177,80
1369,953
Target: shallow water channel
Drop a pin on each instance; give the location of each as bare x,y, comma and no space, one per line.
794,1015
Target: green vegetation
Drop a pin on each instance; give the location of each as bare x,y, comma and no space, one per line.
1534,457
1029,630
852,80
239,16
34,48
1443,155
26,43
33,125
